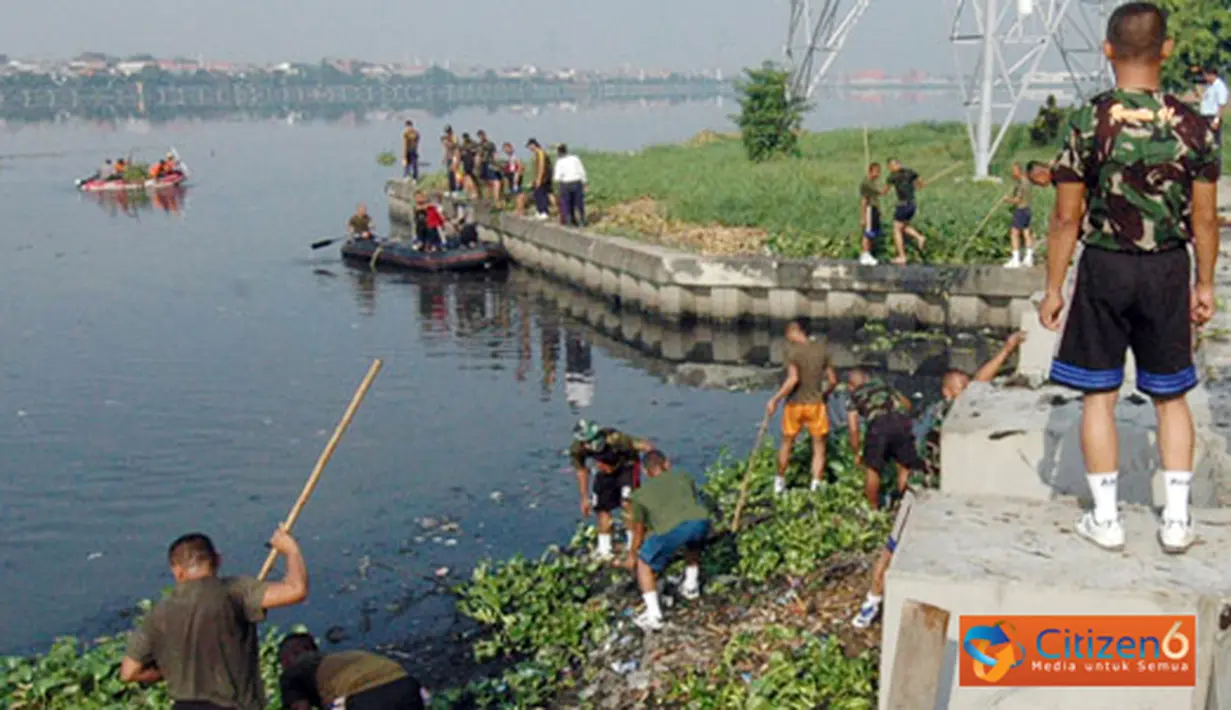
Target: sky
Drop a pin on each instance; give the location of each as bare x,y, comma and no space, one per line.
683,35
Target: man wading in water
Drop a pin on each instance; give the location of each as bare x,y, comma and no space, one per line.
203,639
1147,167
618,456
890,436
810,378
904,182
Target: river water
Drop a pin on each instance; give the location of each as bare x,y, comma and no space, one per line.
178,366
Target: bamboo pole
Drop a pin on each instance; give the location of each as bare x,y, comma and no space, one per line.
974,235
321,462
867,148
943,173
743,488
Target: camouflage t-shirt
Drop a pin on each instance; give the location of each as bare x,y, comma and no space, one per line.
870,192
1022,194
875,399
615,451
1138,154
929,445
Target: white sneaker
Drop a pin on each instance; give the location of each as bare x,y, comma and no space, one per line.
541,217
868,612
779,485
1014,263
1176,536
1109,535
648,623
867,259
816,485
690,593
1028,260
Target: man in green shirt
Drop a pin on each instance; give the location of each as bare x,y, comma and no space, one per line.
489,174
353,680
810,378
1020,201
870,214
202,639
904,182
666,517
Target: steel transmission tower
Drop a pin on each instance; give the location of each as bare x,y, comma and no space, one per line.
815,37
999,47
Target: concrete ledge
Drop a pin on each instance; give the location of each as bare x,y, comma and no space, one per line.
678,285
986,556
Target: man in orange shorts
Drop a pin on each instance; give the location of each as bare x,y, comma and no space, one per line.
810,378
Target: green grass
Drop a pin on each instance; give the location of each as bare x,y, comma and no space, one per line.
809,205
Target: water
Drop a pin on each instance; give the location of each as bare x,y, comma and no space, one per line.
178,367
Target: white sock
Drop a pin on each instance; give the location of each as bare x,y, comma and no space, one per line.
604,543
1178,485
779,484
628,537
1103,491
692,576
651,605
816,485
872,599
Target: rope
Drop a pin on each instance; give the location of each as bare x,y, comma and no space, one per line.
375,255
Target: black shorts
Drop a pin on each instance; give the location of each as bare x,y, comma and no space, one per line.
1129,300
873,230
489,174
1021,218
399,695
890,437
608,491
904,212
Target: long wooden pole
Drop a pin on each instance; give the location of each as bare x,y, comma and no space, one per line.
975,234
943,173
321,462
743,488
867,148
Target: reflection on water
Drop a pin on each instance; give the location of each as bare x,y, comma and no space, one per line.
131,203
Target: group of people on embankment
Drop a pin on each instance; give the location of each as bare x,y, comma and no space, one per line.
476,168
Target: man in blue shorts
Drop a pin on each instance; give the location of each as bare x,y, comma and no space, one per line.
870,214
666,518
1146,167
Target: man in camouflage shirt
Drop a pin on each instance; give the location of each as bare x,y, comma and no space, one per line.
889,434
618,459
1147,167
489,174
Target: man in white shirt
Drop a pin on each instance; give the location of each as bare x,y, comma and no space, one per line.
570,175
1213,100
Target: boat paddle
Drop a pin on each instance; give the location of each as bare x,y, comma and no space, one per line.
322,461
326,242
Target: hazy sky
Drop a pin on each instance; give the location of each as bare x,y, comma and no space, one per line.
896,35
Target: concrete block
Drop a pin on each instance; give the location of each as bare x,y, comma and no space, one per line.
966,311
1024,443
785,304
1003,557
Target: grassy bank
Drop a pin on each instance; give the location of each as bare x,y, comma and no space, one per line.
807,206
770,631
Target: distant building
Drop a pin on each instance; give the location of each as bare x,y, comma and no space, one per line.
136,66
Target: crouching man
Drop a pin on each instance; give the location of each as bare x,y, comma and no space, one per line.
354,680
666,517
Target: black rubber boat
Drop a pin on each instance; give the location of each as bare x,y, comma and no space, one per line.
400,255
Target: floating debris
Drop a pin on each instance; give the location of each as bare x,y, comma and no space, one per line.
497,496
442,572
93,556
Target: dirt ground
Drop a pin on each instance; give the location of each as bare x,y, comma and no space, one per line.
647,218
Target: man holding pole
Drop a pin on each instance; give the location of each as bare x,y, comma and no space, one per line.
870,214
810,378
904,182
202,639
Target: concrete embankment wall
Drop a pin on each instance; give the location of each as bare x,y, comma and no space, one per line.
681,286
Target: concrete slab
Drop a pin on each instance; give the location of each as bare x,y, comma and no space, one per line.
986,556
1023,443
